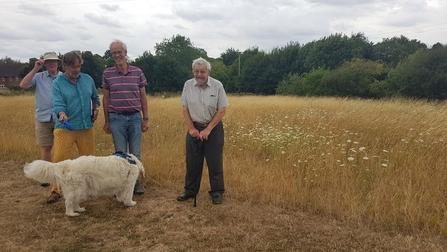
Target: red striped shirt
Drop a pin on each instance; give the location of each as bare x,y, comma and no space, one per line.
124,89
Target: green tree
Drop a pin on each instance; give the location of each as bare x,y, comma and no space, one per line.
421,75
312,81
230,56
181,50
331,52
163,73
391,51
94,66
168,77
236,83
8,60
28,68
258,75
146,63
352,79
291,85
108,58
219,71
307,84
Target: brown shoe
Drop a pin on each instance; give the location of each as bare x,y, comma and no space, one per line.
54,197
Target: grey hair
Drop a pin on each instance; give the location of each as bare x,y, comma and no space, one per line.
201,61
70,58
117,41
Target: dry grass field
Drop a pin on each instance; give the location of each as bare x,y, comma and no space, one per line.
302,174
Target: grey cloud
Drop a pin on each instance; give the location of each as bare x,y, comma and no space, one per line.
198,15
179,26
343,2
41,10
103,20
109,7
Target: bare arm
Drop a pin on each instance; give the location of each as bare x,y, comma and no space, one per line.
105,105
26,81
192,130
143,98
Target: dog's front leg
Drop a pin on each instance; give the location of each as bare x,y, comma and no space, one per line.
79,209
69,210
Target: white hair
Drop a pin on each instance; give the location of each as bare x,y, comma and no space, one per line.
201,61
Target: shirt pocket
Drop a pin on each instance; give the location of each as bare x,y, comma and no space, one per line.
211,102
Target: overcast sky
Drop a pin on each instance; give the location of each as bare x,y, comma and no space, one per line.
30,28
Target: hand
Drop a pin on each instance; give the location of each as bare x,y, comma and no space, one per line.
194,133
203,135
39,64
95,115
145,126
106,128
62,116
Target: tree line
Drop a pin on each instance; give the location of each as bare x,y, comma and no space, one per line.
336,65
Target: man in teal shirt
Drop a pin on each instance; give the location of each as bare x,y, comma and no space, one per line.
76,101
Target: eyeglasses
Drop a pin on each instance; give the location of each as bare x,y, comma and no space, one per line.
196,72
117,52
52,61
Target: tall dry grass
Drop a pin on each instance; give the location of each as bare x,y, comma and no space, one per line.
379,163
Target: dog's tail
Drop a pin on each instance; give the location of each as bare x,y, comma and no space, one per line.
143,171
139,165
43,171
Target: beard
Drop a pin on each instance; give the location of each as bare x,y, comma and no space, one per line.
201,81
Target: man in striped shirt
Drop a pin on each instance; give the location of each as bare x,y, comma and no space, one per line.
125,104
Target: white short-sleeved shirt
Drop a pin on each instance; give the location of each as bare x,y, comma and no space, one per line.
203,103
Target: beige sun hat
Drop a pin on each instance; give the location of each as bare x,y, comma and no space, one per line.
50,56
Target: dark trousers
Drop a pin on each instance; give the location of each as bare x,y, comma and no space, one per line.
212,151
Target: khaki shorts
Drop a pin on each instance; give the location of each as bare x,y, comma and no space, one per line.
44,133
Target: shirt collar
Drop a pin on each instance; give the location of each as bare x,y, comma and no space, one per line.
119,71
48,73
207,82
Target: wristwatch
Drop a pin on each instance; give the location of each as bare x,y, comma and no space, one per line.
146,118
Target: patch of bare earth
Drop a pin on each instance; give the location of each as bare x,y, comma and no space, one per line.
159,223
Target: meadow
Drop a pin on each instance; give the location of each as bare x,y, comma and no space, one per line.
380,164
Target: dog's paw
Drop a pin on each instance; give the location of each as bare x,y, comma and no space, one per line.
80,209
72,214
132,203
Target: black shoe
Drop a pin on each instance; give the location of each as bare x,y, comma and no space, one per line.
45,184
217,199
184,196
137,189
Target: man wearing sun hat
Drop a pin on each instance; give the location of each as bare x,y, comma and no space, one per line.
42,82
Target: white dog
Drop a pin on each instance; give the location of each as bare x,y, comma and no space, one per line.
89,176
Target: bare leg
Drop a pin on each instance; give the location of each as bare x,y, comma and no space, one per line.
46,153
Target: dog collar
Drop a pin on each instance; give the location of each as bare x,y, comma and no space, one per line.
126,156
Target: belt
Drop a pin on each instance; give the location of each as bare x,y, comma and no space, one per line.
202,125
126,112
